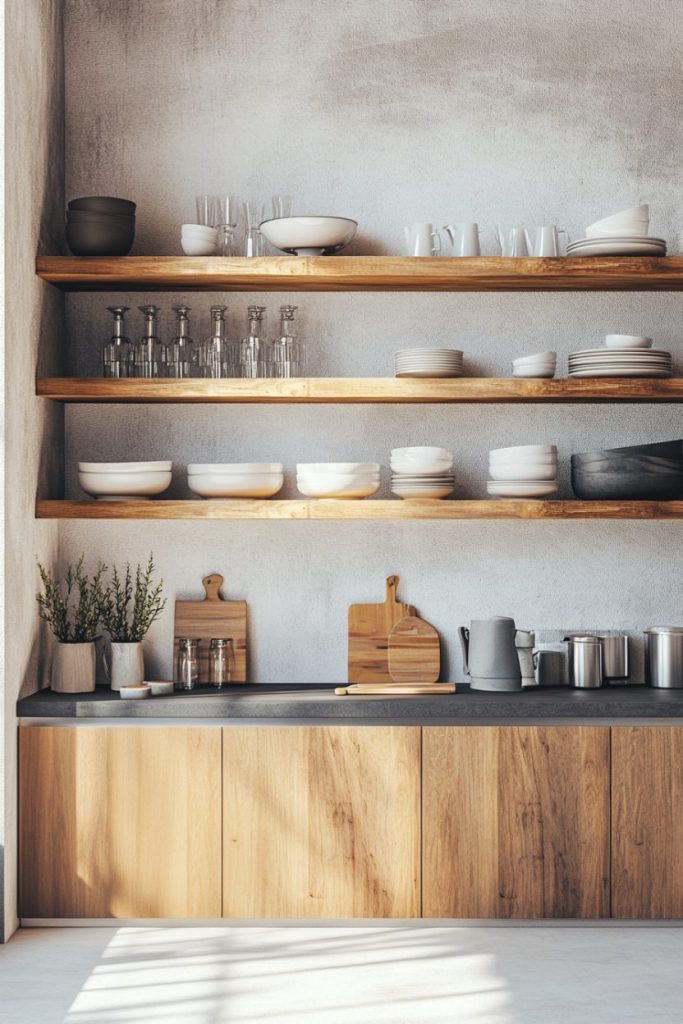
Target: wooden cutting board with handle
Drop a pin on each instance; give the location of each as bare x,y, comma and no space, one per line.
213,618
369,629
414,651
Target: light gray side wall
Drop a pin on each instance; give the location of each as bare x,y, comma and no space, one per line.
33,430
389,111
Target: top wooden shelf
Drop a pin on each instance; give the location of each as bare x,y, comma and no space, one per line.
361,273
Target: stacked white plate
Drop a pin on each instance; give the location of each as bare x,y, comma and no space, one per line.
620,362
337,479
526,471
543,364
621,234
429,362
116,481
235,479
422,472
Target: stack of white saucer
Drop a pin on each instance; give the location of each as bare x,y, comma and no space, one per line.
429,362
624,355
622,234
422,472
526,471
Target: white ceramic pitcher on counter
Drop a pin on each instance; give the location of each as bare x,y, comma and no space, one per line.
464,239
422,240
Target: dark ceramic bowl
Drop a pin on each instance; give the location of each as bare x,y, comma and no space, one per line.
631,464
626,486
86,217
661,449
103,204
95,240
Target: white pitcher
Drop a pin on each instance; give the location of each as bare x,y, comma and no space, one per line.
422,240
464,239
547,241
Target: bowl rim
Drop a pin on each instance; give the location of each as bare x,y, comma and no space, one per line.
309,216
162,466
225,468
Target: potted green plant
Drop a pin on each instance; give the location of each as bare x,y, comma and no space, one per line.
73,614
130,605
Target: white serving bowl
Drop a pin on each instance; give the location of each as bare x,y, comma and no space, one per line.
128,484
633,215
544,357
309,236
331,486
198,248
524,472
521,463
338,467
235,485
540,372
195,468
125,467
523,450
627,341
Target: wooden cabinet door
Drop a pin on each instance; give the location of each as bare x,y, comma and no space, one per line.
647,822
120,821
516,822
321,821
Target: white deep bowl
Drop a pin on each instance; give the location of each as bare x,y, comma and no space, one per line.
511,462
422,467
200,230
628,231
332,486
627,341
129,484
233,467
524,472
338,467
629,216
235,485
522,450
544,357
125,467
541,372
309,236
198,248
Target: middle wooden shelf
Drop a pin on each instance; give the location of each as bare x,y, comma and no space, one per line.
358,390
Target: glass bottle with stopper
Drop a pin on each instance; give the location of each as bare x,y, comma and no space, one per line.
181,356
117,352
253,348
215,352
287,353
148,352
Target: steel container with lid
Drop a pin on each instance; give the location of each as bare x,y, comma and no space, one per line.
585,661
664,657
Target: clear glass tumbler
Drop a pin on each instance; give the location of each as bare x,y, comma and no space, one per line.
226,213
221,662
206,210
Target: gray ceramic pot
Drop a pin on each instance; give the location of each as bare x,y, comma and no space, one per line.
103,204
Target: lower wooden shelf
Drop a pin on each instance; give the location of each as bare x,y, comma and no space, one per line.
245,508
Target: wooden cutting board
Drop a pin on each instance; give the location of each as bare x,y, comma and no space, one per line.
369,629
394,689
213,617
414,651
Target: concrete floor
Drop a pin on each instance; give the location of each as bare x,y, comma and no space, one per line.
386,974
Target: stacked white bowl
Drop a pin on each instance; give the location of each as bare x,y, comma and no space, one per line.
235,479
542,364
422,472
116,481
198,240
527,471
337,479
428,362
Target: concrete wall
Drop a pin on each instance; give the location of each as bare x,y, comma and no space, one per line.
33,431
388,111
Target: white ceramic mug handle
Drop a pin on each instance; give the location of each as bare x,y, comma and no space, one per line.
435,248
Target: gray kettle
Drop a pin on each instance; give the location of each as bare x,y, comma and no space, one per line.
491,657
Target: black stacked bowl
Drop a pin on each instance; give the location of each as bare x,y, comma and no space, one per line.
646,472
100,226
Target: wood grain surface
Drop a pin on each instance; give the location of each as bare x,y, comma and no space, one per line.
213,617
516,822
647,822
414,651
362,273
345,390
321,822
369,627
120,822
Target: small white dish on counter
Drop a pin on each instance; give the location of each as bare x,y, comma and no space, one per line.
309,236
116,481
161,687
135,691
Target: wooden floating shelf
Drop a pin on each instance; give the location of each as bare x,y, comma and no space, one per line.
362,273
359,390
243,509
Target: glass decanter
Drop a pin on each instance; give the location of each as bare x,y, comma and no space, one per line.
117,352
181,356
148,352
253,348
287,353
215,355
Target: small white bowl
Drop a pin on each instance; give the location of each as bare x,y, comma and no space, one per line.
161,688
338,467
235,485
519,451
125,467
541,373
338,487
195,468
117,486
427,467
423,492
522,488
632,215
135,691
524,472
542,357
198,248
627,341
200,230
309,236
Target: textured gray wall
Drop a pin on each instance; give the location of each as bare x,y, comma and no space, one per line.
34,183
387,111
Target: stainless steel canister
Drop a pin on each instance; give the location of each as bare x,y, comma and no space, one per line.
664,656
585,661
615,657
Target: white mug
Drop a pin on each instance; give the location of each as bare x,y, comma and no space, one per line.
464,238
422,240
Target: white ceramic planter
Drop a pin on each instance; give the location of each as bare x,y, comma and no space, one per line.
126,665
73,668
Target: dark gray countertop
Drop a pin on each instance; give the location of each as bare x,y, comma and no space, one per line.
318,701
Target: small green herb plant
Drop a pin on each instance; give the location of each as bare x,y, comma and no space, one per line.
73,613
131,603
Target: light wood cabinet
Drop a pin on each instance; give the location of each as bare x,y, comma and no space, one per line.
516,822
120,821
647,822
321,822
